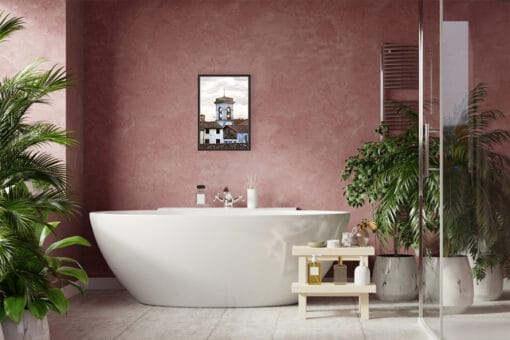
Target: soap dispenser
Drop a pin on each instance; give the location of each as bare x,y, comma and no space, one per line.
361,274
339,272
200,195
314,271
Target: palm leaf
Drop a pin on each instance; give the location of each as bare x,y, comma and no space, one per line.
8,25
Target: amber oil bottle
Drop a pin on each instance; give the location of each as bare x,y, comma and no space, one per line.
314,271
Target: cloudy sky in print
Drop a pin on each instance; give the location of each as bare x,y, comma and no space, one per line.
212,88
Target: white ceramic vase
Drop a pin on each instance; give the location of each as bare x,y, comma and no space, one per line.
457,284
252,199
28,328
396,278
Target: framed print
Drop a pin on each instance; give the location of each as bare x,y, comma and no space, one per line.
224,112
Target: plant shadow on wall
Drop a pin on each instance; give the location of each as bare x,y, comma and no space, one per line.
385,174
32,186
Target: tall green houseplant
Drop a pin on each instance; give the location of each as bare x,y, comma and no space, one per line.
384,174
477,177
32,186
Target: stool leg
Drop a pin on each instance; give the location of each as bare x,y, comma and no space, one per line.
363,306
302,306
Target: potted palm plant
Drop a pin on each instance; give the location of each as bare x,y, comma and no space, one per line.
385,174
30,289
32,186
476,220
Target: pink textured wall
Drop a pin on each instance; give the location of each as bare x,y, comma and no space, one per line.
74,114
44,37
489,24
50,33
315,85
315,97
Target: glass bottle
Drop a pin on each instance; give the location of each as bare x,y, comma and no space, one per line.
362,236
200,195
340,272
314,271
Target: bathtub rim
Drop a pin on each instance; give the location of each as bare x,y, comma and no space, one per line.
220,212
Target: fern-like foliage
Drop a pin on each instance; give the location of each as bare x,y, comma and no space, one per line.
385,174
477,182
33,183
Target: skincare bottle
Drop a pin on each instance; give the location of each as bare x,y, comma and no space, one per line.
361,274
200,195
340,272
314,272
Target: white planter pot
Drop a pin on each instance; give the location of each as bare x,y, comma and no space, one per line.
252,199
430,280
457,284
491,287
28,328
396,278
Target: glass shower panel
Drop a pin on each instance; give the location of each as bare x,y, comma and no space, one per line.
430,120
475,106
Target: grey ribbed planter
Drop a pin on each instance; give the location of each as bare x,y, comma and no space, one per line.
396,278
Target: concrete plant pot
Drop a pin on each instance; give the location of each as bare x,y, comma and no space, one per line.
28,328
396,278
430,280
491,287
458,289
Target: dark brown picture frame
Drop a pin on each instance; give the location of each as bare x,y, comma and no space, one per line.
224,113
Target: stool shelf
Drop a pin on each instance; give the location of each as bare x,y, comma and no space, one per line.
303,289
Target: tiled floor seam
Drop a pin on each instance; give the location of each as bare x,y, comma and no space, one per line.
355,302
275,327
132,323
217,323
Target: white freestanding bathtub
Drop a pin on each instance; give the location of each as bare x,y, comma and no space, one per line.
210,257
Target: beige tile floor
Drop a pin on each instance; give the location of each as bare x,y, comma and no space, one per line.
115,314
483,320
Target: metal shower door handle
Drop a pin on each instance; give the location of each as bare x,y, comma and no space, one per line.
426,154
426,132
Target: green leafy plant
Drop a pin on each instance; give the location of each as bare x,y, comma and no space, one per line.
385,174
33,184
33,283
477,177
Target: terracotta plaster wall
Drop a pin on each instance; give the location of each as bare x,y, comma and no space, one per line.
314,90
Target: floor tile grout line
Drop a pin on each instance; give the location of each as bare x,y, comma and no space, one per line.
132,323
217,323
275,327
358,313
